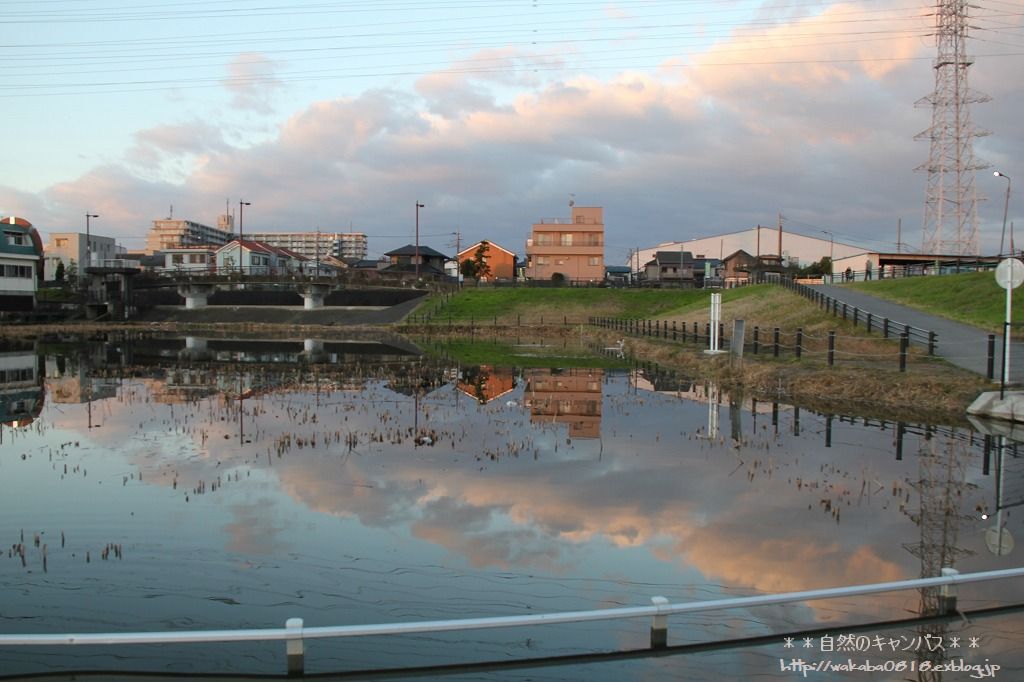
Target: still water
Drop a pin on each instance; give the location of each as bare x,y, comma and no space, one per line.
206,483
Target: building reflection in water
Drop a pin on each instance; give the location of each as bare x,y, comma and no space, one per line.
566,396
485,383
21,387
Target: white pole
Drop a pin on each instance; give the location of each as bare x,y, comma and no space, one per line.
1006,338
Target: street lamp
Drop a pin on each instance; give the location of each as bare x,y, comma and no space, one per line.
241,251
1006,208
88,244
831,255
418,207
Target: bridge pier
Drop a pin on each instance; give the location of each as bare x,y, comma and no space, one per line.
313,295
195,295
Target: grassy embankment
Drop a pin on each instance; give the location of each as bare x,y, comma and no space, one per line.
973,297
865,374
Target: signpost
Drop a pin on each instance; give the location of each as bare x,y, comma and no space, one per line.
1009,275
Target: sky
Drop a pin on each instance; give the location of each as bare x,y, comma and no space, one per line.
683,119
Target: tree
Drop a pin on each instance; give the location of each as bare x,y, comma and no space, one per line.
482,269
468,268
59,274
72,270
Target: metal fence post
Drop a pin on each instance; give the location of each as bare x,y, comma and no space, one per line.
869,322
931,343
775,339
659,625
674,337
831,348
991,357
799,341
904,342
757,343
885,327
294,648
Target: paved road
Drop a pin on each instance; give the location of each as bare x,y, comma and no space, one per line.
960,344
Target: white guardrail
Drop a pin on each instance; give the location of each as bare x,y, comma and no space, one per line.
294,633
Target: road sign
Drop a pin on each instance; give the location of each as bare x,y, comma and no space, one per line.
1010,273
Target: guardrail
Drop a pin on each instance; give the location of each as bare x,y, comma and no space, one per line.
295,633
887,327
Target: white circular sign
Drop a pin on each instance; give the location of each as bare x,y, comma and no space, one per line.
1010,273
999,541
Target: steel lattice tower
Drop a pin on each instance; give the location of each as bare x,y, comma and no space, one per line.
950,212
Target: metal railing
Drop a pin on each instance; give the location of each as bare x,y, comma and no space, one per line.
873,322
295,633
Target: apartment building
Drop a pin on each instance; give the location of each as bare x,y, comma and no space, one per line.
171,233
312,245
68,247
573,249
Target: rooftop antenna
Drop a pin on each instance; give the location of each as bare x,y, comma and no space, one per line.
171,215
572,200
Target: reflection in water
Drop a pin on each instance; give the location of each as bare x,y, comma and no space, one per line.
247,483
566,396
21,386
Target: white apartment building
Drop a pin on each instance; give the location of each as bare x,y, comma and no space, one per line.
65,247
172,233
316,244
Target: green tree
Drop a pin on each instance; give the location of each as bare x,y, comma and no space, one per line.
468,268
59,273
482,269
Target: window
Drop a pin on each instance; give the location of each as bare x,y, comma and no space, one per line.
594,260
197,258
177,259
18,271
61,242
579,219
15,238
542,260
565,239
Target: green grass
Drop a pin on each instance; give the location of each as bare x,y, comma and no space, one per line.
552,305
972,297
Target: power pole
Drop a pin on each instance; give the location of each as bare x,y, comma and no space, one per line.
951,216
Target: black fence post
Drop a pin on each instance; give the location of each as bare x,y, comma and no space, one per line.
799,342
775,339
756,340
931,343
904,342
991,357
869,322
696,337
885,327
844,311
831,348
674,337
707,333
856,314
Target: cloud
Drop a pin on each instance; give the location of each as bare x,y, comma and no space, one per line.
806,117
252,82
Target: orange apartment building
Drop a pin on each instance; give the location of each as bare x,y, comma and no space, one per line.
574,249
571,397
501,261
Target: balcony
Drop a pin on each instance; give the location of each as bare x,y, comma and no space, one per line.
557,250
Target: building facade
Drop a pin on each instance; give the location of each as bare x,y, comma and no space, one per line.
21,254
313,245
170,234
70,247
573,250
798,250
500,261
